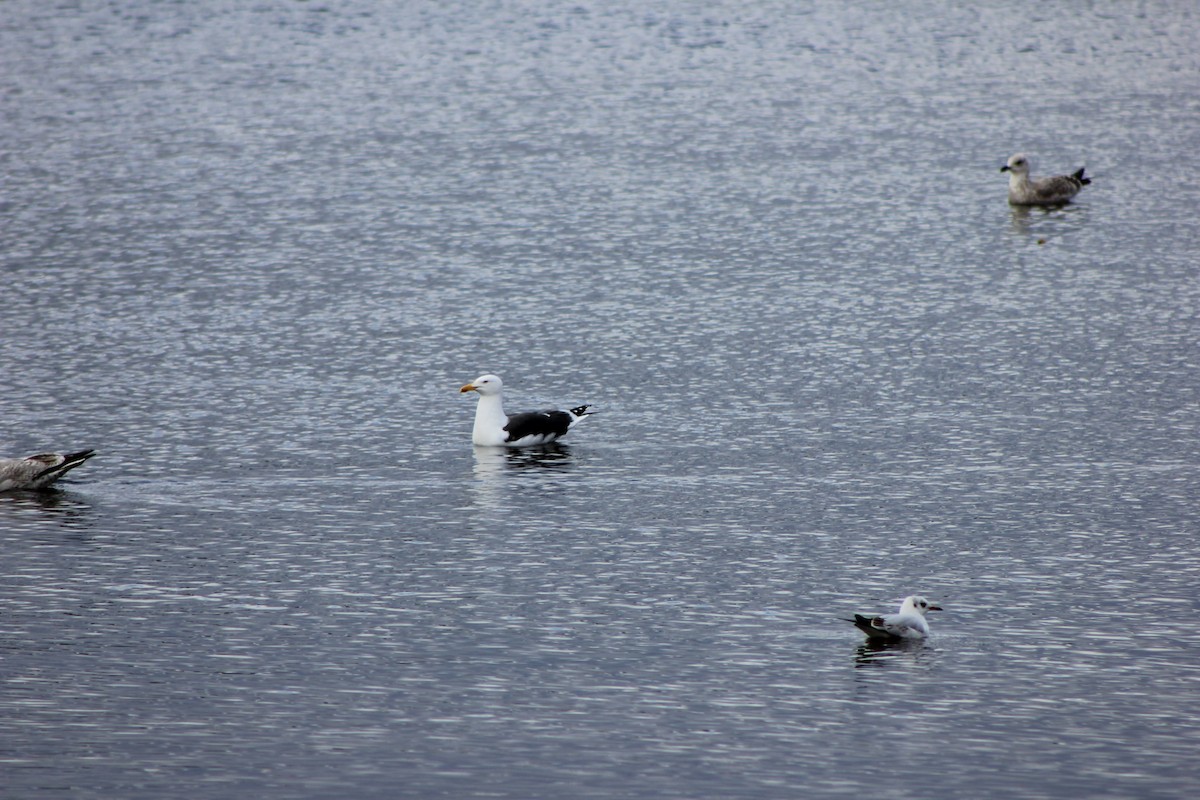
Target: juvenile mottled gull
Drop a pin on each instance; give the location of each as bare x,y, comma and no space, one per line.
1044,191
38,472
908,623
493,427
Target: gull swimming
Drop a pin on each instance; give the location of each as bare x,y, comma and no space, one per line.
493,427
908,623
1023,191
38,472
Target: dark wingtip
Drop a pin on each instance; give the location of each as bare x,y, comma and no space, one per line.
580,411
1078,175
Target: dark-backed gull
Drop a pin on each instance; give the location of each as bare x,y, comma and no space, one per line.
38,472
908,623
1022,191
493,427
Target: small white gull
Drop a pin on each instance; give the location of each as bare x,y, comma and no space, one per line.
495,428
908,623
1023,191
38,472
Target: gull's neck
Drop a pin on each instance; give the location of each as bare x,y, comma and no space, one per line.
490,420
1018,181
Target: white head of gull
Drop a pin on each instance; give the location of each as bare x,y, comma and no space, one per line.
1024,191
495,428
908,623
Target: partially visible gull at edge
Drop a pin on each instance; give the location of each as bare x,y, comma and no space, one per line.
495,428
38,472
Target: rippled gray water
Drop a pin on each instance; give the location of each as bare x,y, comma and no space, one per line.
251,250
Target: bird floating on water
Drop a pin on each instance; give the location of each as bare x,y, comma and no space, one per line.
493,427
908,623
1023,191
38,472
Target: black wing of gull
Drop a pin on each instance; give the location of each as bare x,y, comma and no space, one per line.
537,423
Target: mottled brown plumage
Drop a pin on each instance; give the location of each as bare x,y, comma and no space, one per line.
39,471
1024,191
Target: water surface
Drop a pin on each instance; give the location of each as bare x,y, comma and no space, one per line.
250,252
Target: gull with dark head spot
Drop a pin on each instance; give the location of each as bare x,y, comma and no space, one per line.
495,428
1024,191
908,623
38,472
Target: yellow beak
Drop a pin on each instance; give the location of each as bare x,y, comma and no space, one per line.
470,387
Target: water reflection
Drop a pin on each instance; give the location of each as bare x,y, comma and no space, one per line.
494,465
906,652
492,461
65,508
1025,219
